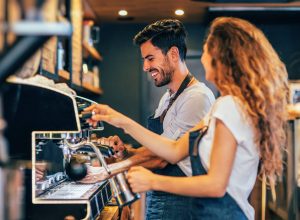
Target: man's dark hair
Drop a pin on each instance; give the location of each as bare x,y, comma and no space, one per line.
164,34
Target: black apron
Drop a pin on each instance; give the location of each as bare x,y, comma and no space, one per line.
162,205
210,208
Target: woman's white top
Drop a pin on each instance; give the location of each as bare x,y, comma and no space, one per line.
244,172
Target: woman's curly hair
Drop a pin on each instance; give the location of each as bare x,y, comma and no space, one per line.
251,70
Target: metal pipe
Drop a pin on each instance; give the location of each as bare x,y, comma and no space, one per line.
94,147
100,156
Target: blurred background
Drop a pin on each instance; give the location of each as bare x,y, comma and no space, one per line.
87,44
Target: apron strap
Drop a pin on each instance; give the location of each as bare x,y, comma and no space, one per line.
182,87
195,137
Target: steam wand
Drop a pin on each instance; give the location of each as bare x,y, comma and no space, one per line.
121,190
94,147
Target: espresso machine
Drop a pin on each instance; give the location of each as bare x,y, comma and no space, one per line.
47,127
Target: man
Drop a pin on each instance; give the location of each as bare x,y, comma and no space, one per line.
163,50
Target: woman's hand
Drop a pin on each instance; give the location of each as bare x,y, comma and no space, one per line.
94,175
140,179
105,113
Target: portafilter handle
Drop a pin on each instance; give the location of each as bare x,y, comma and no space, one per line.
106,151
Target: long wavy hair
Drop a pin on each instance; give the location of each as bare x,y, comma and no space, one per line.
248,68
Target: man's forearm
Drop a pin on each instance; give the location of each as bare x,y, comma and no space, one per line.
141,156
154,163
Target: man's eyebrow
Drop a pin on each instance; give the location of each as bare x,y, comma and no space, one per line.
148,56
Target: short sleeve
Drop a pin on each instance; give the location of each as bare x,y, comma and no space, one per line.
188,113
229,112
160,107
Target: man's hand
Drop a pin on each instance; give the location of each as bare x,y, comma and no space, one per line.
94,175
140,179
40,170
39,174
116,143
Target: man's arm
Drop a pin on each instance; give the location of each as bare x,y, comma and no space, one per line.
128,156
141,156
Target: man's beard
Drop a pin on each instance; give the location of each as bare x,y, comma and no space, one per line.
166,78
166,74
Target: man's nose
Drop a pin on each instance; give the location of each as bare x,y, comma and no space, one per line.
146,66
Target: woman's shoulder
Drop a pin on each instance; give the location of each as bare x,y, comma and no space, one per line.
230,106
228,101
230,111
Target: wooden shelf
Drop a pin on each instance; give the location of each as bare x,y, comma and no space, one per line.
92,51
93,89
64,74
87,90
293,111
88,13
109,213
49,75
76,49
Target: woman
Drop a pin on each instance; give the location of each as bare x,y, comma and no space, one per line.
245,126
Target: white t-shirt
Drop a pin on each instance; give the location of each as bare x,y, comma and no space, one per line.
189,109
244,171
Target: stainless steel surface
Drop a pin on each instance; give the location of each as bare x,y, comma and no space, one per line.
49,181
99,155
84,143
52,151
122,191
70,190
120,187
51,136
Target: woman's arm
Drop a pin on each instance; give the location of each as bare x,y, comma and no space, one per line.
213,184
171,151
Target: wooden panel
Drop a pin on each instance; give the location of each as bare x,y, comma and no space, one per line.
90,50
2,7
14,14
32,64
49,55
109,213
76,19
49,50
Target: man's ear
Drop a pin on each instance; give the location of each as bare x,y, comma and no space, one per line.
174,54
